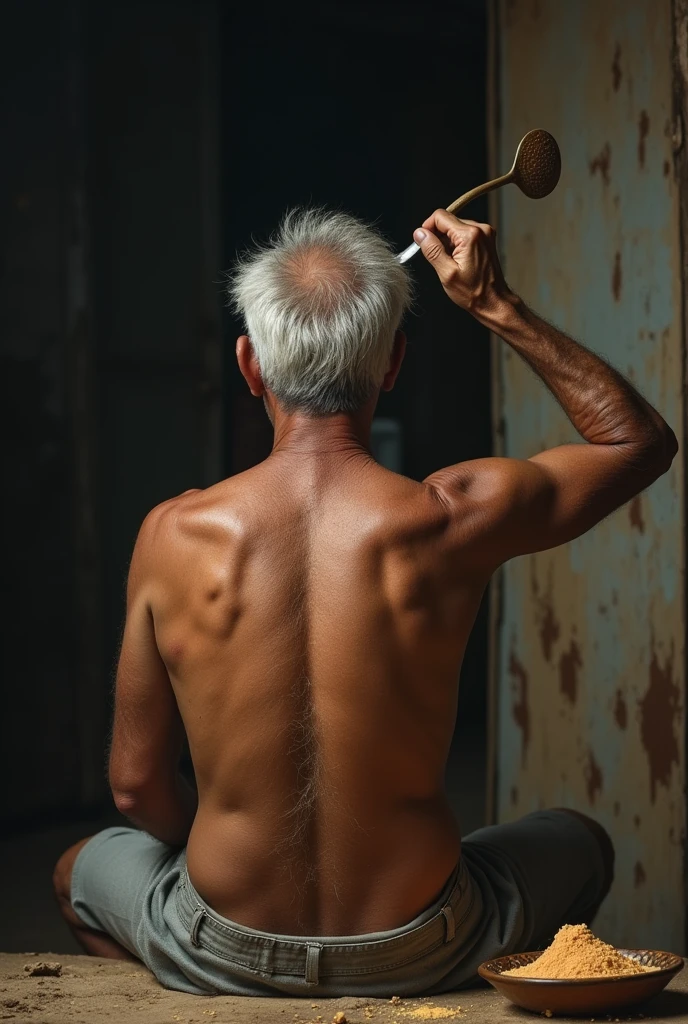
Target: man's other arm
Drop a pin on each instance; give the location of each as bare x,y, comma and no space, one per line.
537,503
148,732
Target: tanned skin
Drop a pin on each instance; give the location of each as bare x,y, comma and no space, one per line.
305,622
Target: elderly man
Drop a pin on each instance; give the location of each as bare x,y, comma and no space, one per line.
304,623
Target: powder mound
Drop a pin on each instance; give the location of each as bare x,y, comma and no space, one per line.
577,953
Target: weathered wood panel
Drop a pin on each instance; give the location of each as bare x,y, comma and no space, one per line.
590,665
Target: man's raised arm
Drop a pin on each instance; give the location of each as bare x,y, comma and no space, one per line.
537,503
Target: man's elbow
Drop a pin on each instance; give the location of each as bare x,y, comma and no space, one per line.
127,802
654,458
132,793
671,445
667,450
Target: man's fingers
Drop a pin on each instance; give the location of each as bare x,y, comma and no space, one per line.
442,221
457,229
486,229
434,251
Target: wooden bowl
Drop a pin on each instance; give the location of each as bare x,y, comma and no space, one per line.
572,996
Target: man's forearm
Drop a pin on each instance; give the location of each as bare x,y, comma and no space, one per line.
603,406
165,813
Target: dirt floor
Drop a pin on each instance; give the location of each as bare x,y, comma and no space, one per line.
92,991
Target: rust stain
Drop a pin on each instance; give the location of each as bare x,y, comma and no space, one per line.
636,820
601,163
639,875
616,277
549,626
593,777
569,663
667,168
520,709
658,709
635,514
549,630
616,69
620,710
643,130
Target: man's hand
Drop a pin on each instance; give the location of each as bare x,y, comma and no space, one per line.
464,254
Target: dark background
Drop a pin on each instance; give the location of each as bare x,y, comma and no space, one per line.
144,144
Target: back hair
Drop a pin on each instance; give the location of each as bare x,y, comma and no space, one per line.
321,303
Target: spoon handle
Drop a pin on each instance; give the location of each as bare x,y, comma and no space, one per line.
480,190
463,200
408,253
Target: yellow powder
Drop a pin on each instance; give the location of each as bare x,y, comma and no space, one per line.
577,953
426,1012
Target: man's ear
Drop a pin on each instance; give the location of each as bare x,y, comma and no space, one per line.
398,352
248,364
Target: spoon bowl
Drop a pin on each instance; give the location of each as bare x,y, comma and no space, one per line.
537,164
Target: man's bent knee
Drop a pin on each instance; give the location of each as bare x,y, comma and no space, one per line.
603,841
62,875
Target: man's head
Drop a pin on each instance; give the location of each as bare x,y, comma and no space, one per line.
322,304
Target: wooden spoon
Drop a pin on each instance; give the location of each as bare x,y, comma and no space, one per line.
535,170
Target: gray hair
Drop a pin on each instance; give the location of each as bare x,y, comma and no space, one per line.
321,303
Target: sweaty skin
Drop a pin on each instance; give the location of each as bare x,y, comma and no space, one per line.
305,623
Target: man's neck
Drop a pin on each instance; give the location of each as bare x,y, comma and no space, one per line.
340,433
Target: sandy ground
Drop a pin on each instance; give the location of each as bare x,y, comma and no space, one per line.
92,991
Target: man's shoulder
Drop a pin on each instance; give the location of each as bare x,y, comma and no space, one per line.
486,481
195,514
162,518
481,497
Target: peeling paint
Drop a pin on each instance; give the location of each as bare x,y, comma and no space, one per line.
616,276
639,877
601,163
569,663
658,711
593,777
616,749
620,710
520,710
635,514
643,131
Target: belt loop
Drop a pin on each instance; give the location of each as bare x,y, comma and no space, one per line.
312,963
450,927
198,916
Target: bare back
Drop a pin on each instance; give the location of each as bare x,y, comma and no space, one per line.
313,626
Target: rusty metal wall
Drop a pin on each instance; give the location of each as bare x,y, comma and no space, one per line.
590,668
